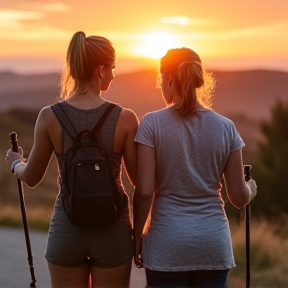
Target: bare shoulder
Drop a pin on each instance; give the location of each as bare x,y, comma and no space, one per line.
46,115
128,118
46,121
128,114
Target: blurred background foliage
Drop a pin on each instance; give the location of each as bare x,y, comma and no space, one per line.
269,167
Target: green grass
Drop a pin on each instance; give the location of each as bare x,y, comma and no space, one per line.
33,224
38,218
269,252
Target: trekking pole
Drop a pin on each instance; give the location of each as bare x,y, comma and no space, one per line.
14,147
247,169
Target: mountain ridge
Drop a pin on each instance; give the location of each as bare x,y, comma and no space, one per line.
247,92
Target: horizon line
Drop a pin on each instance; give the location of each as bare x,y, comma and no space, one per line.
43,65
144,69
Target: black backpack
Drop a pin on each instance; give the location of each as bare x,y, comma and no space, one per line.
89,193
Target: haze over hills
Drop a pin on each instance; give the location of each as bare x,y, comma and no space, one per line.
244,96
249,93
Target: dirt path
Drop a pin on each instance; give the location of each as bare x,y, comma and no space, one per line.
14,269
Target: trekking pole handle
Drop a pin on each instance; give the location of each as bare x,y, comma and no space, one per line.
13,141
247,169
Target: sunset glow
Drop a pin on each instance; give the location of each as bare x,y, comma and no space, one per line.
156,44
225,32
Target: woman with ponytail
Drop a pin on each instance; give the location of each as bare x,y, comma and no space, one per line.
84,257
181,232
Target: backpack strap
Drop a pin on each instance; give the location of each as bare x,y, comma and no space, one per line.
101,121
68,125
64,119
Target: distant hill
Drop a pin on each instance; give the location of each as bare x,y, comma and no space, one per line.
27,91
250,93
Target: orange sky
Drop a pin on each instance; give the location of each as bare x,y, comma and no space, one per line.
228,34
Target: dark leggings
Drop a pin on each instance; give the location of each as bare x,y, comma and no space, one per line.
187,279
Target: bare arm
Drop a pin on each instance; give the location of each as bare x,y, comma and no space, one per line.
143,197
239,192
34,170
128,120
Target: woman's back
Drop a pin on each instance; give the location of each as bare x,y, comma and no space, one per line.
76,120
82,119
190,154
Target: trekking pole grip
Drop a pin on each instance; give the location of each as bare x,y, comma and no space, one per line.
13,141
247,169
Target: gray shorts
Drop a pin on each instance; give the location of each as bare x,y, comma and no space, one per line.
72,246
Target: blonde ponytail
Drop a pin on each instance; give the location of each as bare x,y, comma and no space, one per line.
84,54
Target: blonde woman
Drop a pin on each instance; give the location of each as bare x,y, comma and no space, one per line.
184,151
85,257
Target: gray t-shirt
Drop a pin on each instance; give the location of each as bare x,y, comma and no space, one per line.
188,228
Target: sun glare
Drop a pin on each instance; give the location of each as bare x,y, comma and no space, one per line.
156,44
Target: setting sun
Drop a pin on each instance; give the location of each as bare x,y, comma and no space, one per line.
156,44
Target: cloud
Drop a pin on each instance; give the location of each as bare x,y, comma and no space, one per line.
125,36
271,30
184,21
275,29
46,7
12,18
13,26
41,33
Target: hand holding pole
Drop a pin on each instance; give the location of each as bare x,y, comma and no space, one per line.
14,148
